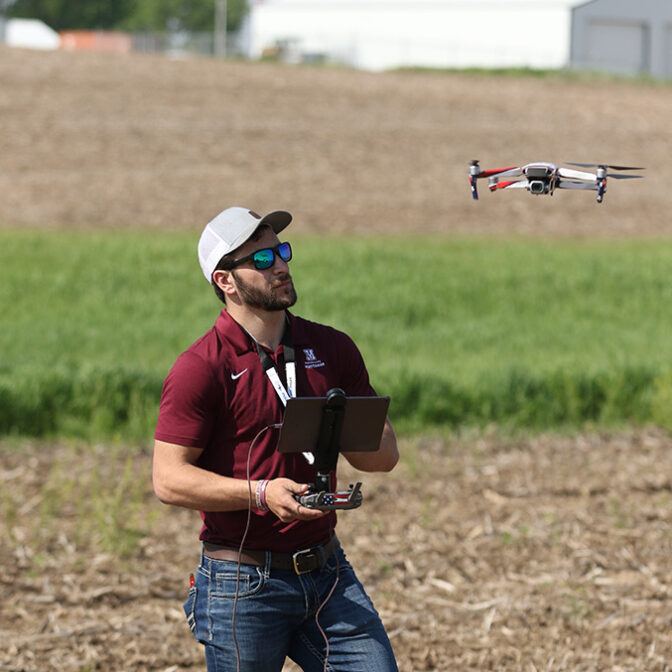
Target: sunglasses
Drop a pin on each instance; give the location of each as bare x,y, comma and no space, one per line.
265,258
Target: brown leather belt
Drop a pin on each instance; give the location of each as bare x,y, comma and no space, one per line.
305,560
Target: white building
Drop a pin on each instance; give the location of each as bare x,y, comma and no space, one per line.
29,34
384,34
624,36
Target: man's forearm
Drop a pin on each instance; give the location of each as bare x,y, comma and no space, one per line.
195,488
179,481
383,459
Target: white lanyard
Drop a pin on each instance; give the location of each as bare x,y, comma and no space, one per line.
290,373
284,393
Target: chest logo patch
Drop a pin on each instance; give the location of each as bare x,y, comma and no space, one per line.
312,361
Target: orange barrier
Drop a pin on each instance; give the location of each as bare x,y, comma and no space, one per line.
87,40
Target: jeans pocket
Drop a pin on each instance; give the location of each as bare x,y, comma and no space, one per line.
251,588
229,582
190,608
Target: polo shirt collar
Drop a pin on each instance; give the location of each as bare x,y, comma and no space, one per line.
230,330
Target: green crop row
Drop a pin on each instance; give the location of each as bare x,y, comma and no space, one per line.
459,332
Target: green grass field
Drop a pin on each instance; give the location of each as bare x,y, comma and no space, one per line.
460,332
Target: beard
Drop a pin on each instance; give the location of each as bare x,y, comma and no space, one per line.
266,299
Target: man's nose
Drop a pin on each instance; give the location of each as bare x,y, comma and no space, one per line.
280,265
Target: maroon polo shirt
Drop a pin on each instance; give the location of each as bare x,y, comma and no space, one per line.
218,397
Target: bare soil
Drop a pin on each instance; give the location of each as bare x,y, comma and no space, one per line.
98,140
548,553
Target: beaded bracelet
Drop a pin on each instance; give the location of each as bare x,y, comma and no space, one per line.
260,495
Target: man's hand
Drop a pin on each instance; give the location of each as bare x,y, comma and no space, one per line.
280,499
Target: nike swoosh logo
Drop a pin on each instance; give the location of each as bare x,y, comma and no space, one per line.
235,376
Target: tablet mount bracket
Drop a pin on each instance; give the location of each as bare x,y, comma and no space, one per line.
326,453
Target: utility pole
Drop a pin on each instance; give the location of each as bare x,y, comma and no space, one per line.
220,28
5,5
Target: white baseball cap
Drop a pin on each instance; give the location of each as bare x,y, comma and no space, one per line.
229,230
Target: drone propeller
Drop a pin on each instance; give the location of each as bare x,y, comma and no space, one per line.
605,165
625,177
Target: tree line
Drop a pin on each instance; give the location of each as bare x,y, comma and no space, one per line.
130,15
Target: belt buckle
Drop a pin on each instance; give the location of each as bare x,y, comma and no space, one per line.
304,556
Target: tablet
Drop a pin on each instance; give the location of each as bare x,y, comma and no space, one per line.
362,428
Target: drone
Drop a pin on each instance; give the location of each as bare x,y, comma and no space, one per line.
544,178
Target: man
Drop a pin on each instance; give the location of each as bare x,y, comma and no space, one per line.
290,592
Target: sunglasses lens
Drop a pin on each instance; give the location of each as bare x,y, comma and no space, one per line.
264,259
285,251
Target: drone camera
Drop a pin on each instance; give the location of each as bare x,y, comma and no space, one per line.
538,187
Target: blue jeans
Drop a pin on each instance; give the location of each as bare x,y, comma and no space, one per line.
275,618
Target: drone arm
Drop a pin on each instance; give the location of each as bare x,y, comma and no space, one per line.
600,186
587,186
514,171
576,174
509,184
475,172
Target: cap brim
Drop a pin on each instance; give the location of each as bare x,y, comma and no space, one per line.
277,220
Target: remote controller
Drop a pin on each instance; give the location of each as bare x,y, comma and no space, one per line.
331,501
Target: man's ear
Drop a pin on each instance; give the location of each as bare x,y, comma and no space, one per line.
225,281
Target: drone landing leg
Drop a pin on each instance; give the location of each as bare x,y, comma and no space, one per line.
601,188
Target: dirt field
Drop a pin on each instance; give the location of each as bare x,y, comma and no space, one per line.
541,554
107,141
544,554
